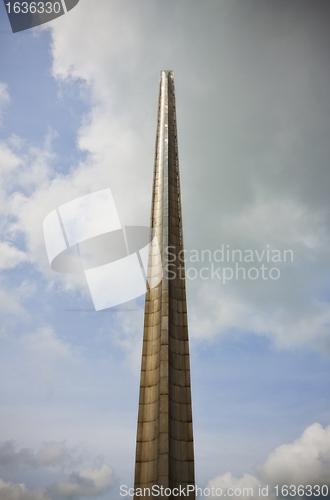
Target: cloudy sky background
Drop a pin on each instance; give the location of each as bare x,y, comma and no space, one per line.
78,104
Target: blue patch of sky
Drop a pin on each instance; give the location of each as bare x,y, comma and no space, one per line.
38,103
72,314
99,369
323,290
237,382
245,383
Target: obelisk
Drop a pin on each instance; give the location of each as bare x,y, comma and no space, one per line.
164,448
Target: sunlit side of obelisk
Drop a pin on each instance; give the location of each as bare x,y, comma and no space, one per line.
164,449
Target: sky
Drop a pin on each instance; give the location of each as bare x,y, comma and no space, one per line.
78,109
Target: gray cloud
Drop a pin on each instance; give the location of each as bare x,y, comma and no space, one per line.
46,345
51,454
89,482
86,483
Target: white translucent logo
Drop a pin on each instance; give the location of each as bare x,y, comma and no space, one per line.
86,235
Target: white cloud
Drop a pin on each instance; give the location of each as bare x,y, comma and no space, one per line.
9,163
4,98
38,164
45,344
128,335
23,167
87,483
50,454
305,462
10,256
117,42
25,211
29,190
10,309
11,491
27,289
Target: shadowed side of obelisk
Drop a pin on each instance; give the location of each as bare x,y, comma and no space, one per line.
180,415
164,451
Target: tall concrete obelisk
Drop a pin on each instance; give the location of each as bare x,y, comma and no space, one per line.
164,449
